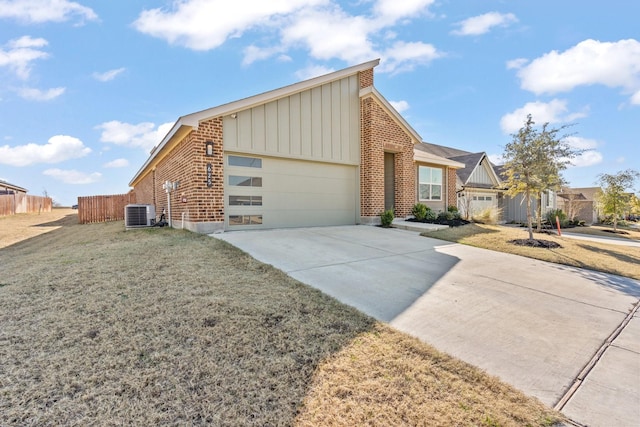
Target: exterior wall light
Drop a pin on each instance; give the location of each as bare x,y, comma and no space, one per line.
209,145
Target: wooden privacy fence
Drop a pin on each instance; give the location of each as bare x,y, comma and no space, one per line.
11,204
103,208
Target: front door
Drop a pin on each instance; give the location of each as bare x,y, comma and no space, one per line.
389,181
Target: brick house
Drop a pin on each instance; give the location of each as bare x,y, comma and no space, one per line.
326,151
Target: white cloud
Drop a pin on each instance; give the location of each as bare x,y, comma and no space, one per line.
58,149
590,62
19,54
313,71
590,155
117,163
321,27
482,24
144,135
555,111
404,56
39,11
516,64
393,10
400,106
73,176
108,75
496,159
635,99
190,25
34,94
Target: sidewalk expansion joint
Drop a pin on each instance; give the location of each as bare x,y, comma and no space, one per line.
577,382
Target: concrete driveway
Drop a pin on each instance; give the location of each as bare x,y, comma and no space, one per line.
567,336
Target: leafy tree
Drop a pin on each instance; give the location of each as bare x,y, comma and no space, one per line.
534,161
613,196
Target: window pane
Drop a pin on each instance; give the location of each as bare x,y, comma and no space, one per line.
425,193
245,200
436,176
239,200
425,174
488,198
236,219
248,162
245,181
240,181
436,192
245,219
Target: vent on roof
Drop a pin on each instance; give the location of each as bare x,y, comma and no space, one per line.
136,216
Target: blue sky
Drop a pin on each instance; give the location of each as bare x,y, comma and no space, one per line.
88,87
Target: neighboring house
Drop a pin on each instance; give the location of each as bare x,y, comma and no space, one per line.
477,185
480,186
6,188
14,200
580,203
326,151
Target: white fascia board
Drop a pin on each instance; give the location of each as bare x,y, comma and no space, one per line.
421,156
158,148
263,98
372,91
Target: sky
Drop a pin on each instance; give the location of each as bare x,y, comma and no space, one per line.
88,87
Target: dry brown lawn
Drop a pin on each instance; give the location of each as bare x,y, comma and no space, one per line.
101,326
607,258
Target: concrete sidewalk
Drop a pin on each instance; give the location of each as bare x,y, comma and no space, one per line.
536,325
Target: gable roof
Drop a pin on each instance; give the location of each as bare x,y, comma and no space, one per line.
186,123
7,186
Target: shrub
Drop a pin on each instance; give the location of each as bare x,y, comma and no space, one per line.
551,217
419,211
487,216
452,208
431,215
386,218
446,216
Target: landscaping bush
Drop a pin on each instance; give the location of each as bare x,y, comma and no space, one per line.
487,216
551,217
431,214
419,211
386,218
446,216
452,208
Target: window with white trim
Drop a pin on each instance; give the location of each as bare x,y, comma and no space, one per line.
429,183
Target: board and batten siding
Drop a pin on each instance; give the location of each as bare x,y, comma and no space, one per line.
481,175
319,124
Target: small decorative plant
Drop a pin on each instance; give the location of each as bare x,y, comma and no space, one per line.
386,218
419,211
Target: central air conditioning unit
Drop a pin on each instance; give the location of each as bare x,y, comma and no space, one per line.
136,216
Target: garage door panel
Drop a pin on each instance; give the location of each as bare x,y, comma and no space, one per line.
297,193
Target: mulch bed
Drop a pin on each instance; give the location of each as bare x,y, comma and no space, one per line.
536,243
616,232
450,223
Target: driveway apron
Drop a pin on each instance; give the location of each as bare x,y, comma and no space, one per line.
534,324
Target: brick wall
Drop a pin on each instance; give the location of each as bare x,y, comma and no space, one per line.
378,128
452,197
366,78
187,163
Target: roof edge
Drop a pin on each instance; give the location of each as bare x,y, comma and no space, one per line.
372,91
242,104
194,119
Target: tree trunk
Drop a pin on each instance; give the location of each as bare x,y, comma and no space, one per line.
529,216
539,212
